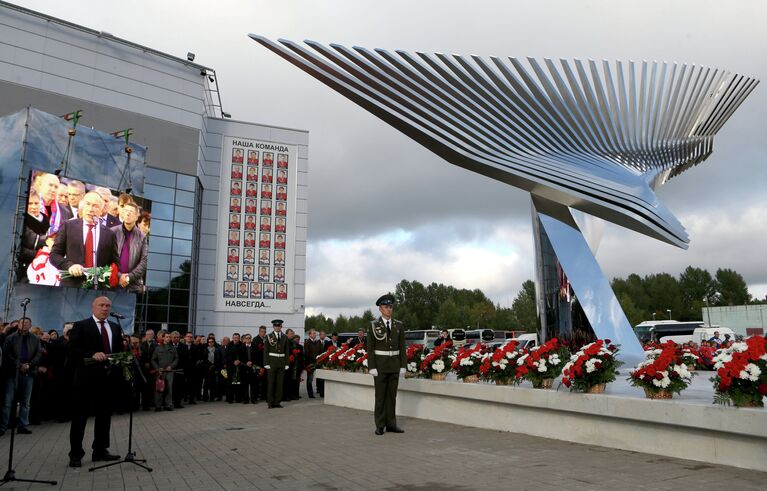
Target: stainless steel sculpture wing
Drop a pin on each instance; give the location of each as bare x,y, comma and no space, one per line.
597,137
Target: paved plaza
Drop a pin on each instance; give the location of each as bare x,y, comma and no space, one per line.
308,445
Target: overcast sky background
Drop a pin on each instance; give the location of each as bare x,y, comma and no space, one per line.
383,209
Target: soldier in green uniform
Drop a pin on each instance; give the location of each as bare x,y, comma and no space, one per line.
386,361
276,352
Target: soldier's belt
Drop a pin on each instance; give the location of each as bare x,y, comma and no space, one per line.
278,355
386,353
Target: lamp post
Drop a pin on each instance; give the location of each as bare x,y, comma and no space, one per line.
653,316
669,313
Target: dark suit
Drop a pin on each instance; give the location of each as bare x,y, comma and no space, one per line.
250,385
69,249
93,385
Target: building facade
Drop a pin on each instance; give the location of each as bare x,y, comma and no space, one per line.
174,109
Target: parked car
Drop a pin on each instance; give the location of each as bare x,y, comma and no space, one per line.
426,337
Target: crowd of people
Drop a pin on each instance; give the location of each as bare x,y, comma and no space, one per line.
707,349
191,368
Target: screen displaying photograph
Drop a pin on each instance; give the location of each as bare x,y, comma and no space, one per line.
82,235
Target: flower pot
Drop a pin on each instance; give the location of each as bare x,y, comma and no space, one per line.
546,383
661,394
502,381
749,404
440,377
691,367
471,379
410,374
596,389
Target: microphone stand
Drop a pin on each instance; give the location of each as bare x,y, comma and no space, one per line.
130,457
93,253
10,474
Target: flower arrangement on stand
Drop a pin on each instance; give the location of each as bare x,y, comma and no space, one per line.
350,358
592,367
541,365
336,360
690,357
662,376
413,356
741,373
436,364
501,366
467,363
323,359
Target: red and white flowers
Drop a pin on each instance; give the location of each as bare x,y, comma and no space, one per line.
593,364
541,363
468,361
501,365
436,362
664,373
741,373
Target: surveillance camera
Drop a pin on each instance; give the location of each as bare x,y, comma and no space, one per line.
190,56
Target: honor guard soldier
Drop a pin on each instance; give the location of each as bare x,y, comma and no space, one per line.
276,352
386,361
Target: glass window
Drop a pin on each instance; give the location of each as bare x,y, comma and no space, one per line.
183,214
179,297
182,231
157,313
162,227
182,247
161,177
157,296
158,194
158,279
178,263
179,314
184,198
187,183
162,211
159,244
159,262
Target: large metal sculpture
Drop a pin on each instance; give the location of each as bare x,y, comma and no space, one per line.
588,136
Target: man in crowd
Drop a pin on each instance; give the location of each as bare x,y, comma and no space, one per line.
386,361
313,347
259,341
250,386
75,193
182,369
193,370
360,339
147,350
213,362
132,249
93,338
234,355
276,350
297,364
164,362
21,352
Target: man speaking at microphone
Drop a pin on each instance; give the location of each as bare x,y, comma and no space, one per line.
83,243
91,341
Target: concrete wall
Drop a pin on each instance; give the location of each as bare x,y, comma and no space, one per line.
737,317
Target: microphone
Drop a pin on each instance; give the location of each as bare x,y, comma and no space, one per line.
25,302
116,315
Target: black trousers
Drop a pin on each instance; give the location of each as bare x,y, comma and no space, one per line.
386,399
95,398
251,389
275,379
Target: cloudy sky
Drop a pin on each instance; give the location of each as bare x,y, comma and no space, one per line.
382,208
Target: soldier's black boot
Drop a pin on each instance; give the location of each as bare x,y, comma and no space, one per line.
379,430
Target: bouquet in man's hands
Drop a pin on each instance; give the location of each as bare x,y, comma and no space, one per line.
107,276
123,359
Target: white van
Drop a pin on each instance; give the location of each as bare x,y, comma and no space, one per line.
526,341
700,334
424,337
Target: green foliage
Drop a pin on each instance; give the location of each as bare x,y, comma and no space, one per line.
731,288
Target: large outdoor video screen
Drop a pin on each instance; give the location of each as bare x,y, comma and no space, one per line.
82,235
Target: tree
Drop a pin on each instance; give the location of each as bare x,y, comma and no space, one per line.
731,288
698,288
524,311
450,316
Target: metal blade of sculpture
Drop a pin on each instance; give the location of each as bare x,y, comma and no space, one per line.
582,135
